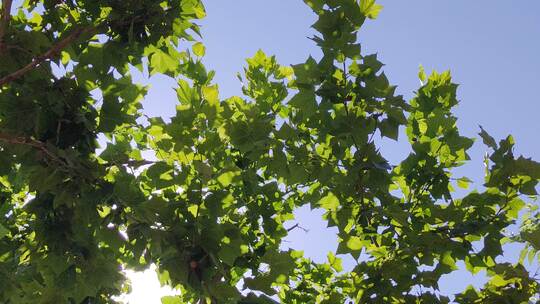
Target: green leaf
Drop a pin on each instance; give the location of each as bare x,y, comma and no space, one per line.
304,100
448,260
463,182
498,281
185,93
329,202
224,292
161,62
3,231
112,114
251,298
487,139
389,128
355,243
422,74
225,179
171,300
261,283
307,73
199,49
230,250
532,236
370,9
334,262
211,94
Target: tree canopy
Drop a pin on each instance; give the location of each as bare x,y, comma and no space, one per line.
208,207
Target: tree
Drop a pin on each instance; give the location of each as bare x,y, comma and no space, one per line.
209,209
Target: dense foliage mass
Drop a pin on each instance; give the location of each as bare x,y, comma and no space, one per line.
208,209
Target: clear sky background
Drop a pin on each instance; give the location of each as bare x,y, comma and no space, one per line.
491,47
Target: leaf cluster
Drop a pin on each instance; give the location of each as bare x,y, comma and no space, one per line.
206,195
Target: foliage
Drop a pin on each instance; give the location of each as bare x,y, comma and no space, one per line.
209,208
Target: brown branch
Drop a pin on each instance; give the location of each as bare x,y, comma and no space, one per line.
55,50
297,226
21,140
5,16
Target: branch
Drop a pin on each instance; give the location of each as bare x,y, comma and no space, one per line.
55,50
134,163
5,16
297,226
21,140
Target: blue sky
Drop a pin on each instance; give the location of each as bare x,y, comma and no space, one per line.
491,47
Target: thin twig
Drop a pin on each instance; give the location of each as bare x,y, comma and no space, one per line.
297,226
